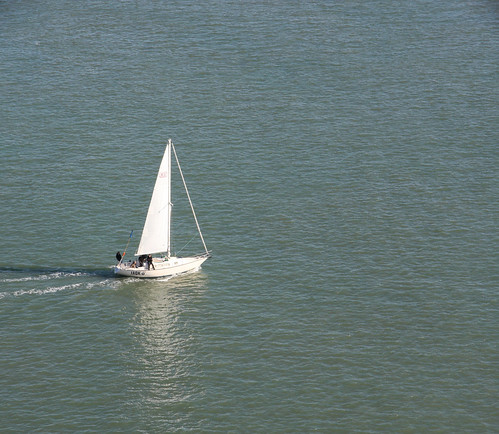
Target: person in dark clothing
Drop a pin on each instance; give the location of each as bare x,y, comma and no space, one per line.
149,262
142,258
118,256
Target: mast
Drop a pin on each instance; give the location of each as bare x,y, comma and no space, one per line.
169,195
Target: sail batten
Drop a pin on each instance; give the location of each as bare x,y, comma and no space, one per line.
156,233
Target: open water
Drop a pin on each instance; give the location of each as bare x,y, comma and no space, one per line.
342,158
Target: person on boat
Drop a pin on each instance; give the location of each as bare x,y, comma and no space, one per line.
134,264
149,262
142,259
118,256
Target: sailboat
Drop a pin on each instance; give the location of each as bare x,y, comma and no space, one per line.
154,257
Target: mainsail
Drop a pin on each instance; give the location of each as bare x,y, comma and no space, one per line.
156,233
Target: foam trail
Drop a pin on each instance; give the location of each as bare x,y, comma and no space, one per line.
49,290
40,277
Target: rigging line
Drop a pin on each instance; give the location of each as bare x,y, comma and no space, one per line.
189,197
186,244
124,251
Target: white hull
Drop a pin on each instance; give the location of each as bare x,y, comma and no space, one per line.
162,267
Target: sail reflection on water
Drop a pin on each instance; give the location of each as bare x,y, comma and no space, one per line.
165,324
